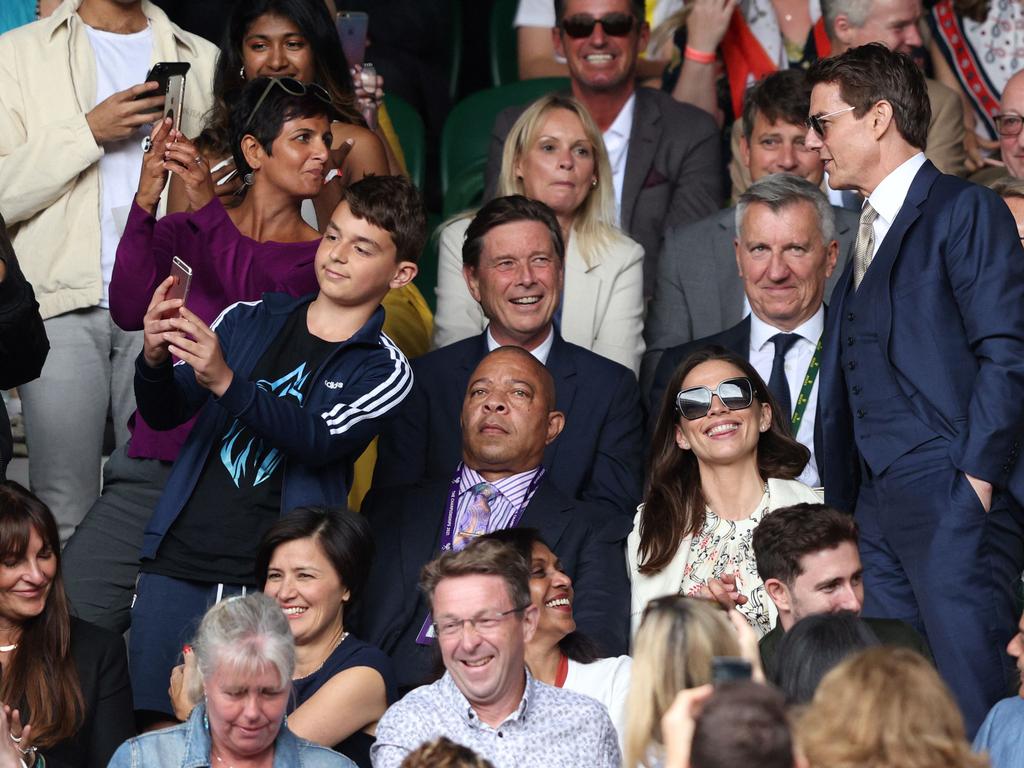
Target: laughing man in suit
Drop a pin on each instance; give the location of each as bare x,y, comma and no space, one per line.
508,417
922,376
514,265
698,292
785,251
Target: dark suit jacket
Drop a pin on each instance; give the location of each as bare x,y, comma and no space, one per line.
673,170
888,632
736,340
407,525
952,329
699,291
598,457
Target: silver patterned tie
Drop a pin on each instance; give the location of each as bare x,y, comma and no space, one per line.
865,247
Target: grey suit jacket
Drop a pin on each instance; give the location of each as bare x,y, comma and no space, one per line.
673,172
699,292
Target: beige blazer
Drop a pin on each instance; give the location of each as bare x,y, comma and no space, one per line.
645,588
602,311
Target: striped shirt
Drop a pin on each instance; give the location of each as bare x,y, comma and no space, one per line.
510,497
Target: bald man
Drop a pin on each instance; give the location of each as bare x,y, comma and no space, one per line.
508,418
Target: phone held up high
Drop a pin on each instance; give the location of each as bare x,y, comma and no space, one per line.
352,27
171,77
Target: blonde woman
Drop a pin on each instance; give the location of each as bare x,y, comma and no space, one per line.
673,651
886,708
555,154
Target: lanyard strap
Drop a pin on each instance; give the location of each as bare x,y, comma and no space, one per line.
805,390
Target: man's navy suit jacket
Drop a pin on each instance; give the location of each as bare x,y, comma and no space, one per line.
407,524
951,327
598,456
736,340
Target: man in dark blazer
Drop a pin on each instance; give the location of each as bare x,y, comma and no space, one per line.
922,391
514,266
665,155
508,416
698,292
785,253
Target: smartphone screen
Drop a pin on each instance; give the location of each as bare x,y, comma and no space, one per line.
352,27
175,100
182,274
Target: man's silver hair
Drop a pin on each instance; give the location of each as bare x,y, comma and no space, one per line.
781,190
244,635
856,12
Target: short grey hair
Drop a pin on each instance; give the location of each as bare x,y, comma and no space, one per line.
856,12
781,190
1007,187
244,634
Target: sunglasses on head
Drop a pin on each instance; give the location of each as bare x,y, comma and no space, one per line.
614,24
695,402
817,122
292,86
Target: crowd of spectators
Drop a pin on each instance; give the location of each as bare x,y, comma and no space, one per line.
710,456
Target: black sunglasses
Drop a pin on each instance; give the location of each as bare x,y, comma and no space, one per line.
695,402
292,86
614,24
1008,125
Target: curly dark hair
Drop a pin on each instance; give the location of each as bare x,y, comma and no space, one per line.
394,204
674,502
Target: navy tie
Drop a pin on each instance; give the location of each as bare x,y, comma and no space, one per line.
778,385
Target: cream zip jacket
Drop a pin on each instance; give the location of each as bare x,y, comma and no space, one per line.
49,172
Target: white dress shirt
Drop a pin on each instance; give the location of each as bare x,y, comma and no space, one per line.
541,351
616,141
798,358
888,197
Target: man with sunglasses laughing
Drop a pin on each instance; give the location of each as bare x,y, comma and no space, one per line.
922,378
664,155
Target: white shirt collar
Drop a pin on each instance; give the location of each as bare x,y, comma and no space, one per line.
888,197
540,352
622,126
811,329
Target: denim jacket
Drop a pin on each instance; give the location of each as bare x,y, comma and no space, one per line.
188,746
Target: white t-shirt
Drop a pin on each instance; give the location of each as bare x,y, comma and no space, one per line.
606,680
121,62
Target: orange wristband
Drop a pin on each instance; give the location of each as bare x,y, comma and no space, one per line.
699,56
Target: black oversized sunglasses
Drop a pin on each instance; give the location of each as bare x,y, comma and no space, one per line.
614,24
695,402
292,86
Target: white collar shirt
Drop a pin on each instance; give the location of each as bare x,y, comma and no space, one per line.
616,141
889,195
541,351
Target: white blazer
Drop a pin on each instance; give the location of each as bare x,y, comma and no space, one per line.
646,587
603,308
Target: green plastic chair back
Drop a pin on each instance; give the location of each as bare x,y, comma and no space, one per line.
466,136
411,135
426,278
504,48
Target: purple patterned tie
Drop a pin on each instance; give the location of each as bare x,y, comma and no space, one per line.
479,515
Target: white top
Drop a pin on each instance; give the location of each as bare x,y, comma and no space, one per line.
616,141
888,197
761,355
606,680
121,62
540,352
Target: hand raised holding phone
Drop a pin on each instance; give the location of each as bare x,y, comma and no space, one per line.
119,115
181,158
154,174
156,324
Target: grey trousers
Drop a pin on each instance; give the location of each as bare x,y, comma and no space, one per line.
91,366
101,560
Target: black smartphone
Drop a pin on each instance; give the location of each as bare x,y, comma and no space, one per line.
171,77
726,668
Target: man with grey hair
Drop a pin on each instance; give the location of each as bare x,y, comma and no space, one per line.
785,250
487,700
895,24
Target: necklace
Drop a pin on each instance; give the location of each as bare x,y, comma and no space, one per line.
319,666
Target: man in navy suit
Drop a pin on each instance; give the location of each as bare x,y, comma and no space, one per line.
514,257
922,391
508,416
786,250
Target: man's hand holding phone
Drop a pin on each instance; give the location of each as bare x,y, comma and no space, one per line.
119,115
195,343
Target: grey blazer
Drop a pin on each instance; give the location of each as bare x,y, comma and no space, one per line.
673,172
699,292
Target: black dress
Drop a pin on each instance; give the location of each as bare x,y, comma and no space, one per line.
102,665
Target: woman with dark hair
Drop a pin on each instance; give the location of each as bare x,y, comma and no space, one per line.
68,679
314,562
285,38
558,654
722,458
813,646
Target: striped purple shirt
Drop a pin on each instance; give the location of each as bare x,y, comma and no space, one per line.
509,498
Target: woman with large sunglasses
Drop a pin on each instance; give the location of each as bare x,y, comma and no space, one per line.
721,459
